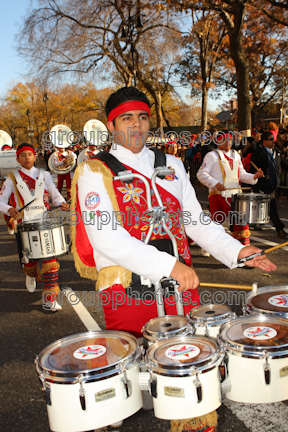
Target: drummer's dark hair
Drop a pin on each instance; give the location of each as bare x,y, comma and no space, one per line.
24,144
125,94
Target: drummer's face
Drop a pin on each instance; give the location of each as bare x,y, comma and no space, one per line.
226,146
26,159
131,125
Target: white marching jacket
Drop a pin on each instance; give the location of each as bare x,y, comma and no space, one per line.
117,247
210,172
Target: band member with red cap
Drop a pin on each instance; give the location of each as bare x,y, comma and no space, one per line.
62,158
19,189
222,172
115,254
90,152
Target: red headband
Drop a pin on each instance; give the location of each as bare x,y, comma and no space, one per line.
5,146
128,106
220,137
25,148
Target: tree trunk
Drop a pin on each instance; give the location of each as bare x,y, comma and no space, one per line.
204,107
242,66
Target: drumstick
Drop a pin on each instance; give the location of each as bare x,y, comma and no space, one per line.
26,205
276,247
244,188
255,166
219,285
243,260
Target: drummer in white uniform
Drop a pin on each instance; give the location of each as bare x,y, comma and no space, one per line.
21,187
222,172
90,152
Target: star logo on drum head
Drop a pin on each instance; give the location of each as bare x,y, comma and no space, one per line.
260,332
282,300
182,351
88,351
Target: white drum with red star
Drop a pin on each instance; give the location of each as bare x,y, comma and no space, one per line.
256,356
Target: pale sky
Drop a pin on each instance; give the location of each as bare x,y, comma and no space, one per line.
12,66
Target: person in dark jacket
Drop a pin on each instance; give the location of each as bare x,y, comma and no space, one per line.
268,158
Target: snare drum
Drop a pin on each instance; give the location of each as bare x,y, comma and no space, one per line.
255,208
90,380
40,241
166,327
184,377
257,351
269,301
207,319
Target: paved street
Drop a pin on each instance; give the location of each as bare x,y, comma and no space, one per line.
26,329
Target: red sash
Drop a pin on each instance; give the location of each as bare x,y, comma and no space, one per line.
230,160
132,203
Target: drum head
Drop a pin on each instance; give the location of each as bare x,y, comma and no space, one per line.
182,352
254,332
210,313
166,326
87,352
253,196
271,300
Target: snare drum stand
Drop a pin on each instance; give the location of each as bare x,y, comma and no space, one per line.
157,216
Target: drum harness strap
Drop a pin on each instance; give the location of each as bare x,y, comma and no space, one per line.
140,284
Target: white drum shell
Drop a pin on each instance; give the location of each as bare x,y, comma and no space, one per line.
248,381
8,162
172,408
210,330
66,415
44,243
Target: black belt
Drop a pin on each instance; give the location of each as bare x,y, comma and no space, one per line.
139,291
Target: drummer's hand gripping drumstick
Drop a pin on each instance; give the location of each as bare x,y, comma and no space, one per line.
157,216
255,166
245,259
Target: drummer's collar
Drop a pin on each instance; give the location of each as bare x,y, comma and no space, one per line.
27,171
126,152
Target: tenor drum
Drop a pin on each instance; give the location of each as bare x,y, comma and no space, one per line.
207,319
41,241
184,377
90,380
166,327
270,301
252,208
256,349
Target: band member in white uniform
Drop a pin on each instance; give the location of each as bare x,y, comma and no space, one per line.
19,189
221,170
90,152
61,158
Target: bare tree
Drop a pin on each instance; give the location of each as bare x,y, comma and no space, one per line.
80,37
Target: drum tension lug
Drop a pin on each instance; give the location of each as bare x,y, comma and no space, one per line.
126,382
45,390
82,393
198,386
267,369
223,368
153,387
152,382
